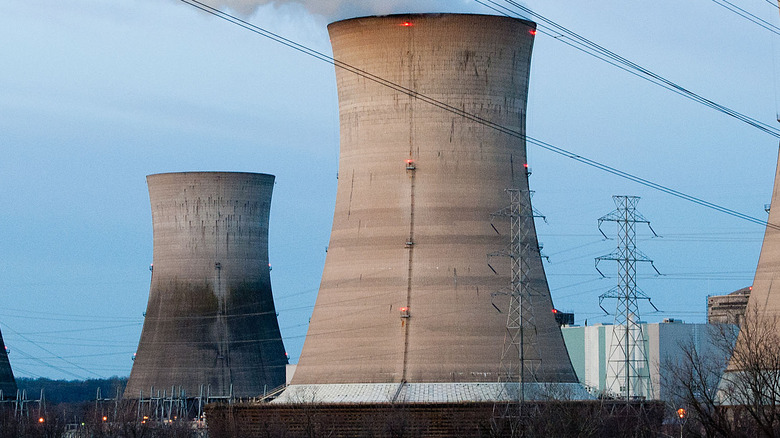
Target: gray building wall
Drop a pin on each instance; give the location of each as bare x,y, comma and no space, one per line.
664,342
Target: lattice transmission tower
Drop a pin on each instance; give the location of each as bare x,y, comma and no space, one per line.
520,358
628,371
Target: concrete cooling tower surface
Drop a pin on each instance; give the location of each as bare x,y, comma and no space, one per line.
210,319
407,294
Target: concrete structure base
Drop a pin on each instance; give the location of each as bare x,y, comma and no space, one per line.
597,418
429,392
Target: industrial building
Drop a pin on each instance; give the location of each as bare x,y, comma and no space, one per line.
729,308
590,346
413,301
210,326
7,381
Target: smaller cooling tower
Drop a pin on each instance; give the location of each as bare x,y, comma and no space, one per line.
210,319
7,382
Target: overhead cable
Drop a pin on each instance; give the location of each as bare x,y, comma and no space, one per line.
475,118
53,354
748,16
573,39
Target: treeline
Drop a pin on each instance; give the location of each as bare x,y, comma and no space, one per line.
71,391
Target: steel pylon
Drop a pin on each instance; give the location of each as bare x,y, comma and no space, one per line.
628,371
520,357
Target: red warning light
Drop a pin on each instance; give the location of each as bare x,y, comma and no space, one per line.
406,24
555,310
404,309
532,31
525,165
750,288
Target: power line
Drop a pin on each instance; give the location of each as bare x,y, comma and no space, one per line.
511,132
53,354
550,28
748,16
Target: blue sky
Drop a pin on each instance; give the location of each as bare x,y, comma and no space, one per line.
96,95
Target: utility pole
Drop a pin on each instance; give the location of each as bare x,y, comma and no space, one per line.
520,358
628,366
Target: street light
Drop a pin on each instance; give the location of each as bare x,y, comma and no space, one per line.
681,413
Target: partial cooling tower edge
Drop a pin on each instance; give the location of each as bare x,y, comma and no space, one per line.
7,381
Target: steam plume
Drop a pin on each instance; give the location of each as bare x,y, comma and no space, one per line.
340,9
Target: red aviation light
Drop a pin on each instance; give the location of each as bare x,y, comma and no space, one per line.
532,31
406,24
555,310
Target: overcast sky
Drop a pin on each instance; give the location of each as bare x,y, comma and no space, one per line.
95,95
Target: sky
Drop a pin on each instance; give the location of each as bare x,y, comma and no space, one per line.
96,95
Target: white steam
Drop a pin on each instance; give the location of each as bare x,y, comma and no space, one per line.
340,9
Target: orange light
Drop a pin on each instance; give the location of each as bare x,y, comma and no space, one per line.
41,420
105,418
407,24
681,413
532,31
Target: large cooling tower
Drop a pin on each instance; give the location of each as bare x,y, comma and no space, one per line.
7,382
210,319
407,294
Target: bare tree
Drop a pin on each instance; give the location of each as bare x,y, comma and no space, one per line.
732,389
692,382
751,384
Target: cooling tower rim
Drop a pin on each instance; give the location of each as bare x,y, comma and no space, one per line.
211,173
412,15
